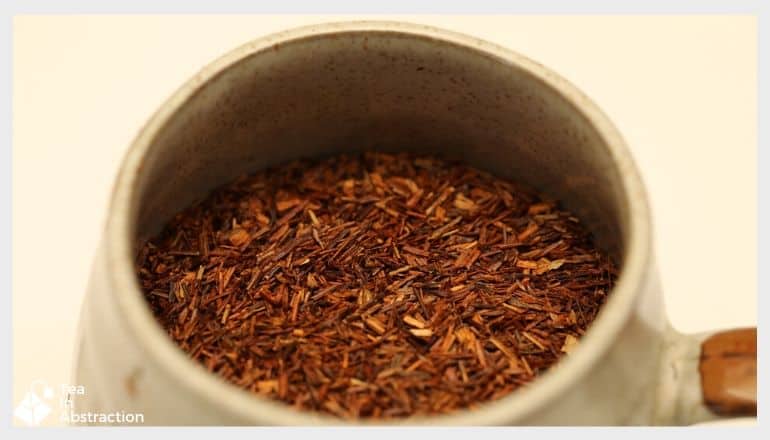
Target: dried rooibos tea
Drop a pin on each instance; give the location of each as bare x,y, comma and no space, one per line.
375,286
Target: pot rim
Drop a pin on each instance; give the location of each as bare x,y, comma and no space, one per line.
244,407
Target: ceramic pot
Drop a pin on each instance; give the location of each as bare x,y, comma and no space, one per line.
354,86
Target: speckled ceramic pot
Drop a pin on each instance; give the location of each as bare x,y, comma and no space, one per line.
352,86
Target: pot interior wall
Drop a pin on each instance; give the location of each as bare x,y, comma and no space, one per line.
388,91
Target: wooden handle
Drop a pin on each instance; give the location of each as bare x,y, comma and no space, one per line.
728,370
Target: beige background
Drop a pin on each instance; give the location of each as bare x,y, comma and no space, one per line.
682,90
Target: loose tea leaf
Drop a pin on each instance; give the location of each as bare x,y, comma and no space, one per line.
375,286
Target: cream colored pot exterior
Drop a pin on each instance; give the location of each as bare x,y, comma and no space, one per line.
352,86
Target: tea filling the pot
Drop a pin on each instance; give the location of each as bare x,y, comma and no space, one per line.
375,285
